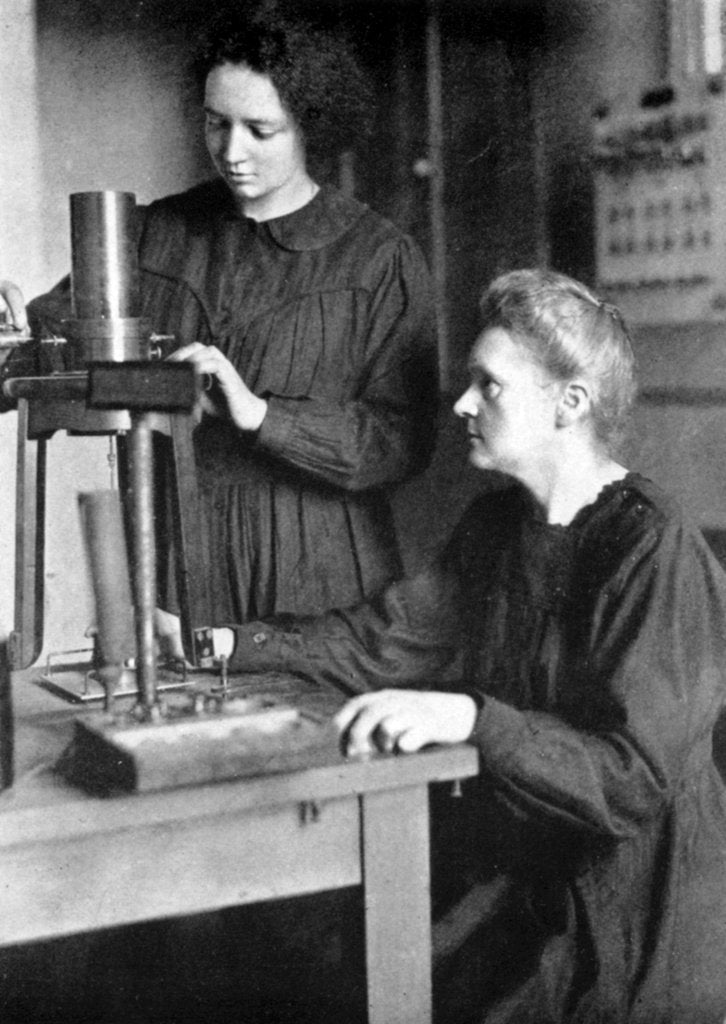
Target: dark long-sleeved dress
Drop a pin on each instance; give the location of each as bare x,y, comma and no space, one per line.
598,654
326,312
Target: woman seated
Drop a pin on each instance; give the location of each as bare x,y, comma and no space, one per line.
583,621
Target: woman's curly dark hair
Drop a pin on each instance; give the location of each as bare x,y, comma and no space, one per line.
315,72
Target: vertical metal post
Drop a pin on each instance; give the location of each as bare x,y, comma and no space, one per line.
26,640
686,40
143,556
537,120
7,725
436,186
712,15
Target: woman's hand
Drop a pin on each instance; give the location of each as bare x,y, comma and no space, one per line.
167,628
229,395
404,720
11,299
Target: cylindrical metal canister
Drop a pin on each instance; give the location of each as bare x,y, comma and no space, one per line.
103,530
104,260
106,326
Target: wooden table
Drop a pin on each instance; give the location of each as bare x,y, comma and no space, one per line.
71,863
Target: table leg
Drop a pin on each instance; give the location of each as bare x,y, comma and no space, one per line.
396,879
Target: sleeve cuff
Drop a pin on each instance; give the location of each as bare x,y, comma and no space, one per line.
276,427
259,647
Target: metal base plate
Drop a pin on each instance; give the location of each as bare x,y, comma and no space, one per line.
75,681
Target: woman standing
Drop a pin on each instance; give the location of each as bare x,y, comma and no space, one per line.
311,316
583,621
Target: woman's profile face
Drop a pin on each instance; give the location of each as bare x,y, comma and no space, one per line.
510,407
254,142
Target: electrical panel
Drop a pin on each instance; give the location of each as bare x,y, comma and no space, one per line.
660,208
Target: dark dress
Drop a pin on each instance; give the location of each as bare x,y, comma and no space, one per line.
326,312
597,652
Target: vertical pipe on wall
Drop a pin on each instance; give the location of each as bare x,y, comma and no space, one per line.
436,186
685,40
542,248
7,725
403,141
712,36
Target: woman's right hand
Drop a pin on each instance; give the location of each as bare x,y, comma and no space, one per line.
245,409
404,721
11,300
167,628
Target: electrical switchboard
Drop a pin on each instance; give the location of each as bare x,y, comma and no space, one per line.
660,208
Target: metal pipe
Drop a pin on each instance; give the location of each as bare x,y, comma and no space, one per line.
7,725
143,556
26,640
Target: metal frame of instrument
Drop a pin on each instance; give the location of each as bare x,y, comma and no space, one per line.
105,377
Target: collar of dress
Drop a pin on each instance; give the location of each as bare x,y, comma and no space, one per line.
327,216
178,231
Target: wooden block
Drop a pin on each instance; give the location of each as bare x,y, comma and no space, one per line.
113,754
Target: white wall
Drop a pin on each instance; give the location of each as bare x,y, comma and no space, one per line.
22,249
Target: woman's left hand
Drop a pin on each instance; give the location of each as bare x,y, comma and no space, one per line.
404,720
246,410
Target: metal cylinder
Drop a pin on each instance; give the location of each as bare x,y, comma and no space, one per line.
110,340
7,730
105,326
141,469
105,538
104,259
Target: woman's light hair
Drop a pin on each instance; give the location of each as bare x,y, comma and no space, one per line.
572,334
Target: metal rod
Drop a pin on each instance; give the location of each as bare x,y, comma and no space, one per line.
7,730
143,556
26,640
